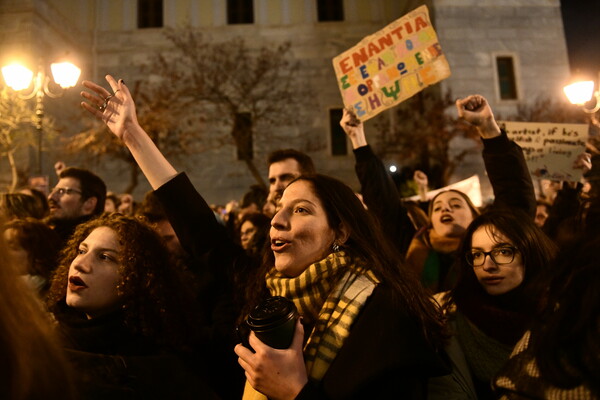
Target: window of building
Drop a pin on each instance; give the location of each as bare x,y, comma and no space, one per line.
330,10
243,136
240,11
507,83
339,144
150,13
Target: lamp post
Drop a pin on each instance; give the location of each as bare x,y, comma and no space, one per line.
20,78
582,94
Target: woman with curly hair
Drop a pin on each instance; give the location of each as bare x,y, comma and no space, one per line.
124,311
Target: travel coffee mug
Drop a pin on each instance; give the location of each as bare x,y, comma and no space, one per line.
274,322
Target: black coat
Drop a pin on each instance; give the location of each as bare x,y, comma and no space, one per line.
385,356
214,256
110,362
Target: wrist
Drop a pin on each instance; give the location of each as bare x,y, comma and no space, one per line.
489,130
358,141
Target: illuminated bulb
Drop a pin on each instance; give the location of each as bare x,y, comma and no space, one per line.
579,92
17,76
65,74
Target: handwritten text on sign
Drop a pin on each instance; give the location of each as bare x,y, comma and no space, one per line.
550,149
391,65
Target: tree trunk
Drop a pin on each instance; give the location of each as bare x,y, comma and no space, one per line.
255,173
13,171
242,128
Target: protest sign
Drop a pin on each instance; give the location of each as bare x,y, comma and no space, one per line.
550,149
470,186
391,65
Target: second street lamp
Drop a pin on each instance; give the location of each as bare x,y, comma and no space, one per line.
582,93
20,78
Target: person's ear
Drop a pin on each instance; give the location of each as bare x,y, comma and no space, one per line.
342,234
89,205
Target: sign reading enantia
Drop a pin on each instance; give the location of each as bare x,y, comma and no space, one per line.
391,65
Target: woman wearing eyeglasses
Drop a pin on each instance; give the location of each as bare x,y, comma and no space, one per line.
501,262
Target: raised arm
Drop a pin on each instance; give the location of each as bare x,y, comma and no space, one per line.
377,187
503,158
117,111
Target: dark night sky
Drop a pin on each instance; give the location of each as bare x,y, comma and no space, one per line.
581,19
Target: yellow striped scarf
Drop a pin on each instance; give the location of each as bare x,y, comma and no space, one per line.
331,310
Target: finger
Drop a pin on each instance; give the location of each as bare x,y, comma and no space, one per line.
93,98
459,108
92,110
103,93
298,336
255,342
112,82
124,89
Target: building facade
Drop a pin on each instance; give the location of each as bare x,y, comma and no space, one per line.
510,51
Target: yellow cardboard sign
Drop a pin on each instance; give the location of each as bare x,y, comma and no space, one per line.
391,65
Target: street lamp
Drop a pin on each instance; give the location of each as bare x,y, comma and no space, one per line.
20,78
582,93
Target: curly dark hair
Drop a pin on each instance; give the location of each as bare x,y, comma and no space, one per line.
157,299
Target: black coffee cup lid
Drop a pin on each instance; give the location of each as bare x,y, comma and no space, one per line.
271,310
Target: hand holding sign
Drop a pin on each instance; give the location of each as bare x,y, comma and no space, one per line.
391,65
354,129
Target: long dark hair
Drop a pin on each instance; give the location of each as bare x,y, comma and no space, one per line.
565,339
536,249
157,299
368,245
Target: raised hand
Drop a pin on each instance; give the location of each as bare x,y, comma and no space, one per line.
476,110
353,128
116,109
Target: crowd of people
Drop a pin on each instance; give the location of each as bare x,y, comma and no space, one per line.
106,297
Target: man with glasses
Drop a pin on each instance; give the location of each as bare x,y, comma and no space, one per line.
78,197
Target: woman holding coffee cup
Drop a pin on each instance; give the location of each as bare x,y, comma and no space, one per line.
364,337
365,330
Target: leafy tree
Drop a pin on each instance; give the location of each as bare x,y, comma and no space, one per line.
198,90
243,89
420,130
160,112
17,119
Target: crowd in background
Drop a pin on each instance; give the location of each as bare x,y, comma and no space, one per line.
107,296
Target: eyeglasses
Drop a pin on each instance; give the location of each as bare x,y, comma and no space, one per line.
62,191
500,255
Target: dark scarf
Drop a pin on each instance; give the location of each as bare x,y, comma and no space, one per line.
106,334
504,318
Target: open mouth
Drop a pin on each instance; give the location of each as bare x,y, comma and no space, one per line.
279,244
76,283
446,219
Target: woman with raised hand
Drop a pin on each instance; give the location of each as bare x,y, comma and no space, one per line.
370,330
432,250
201,235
